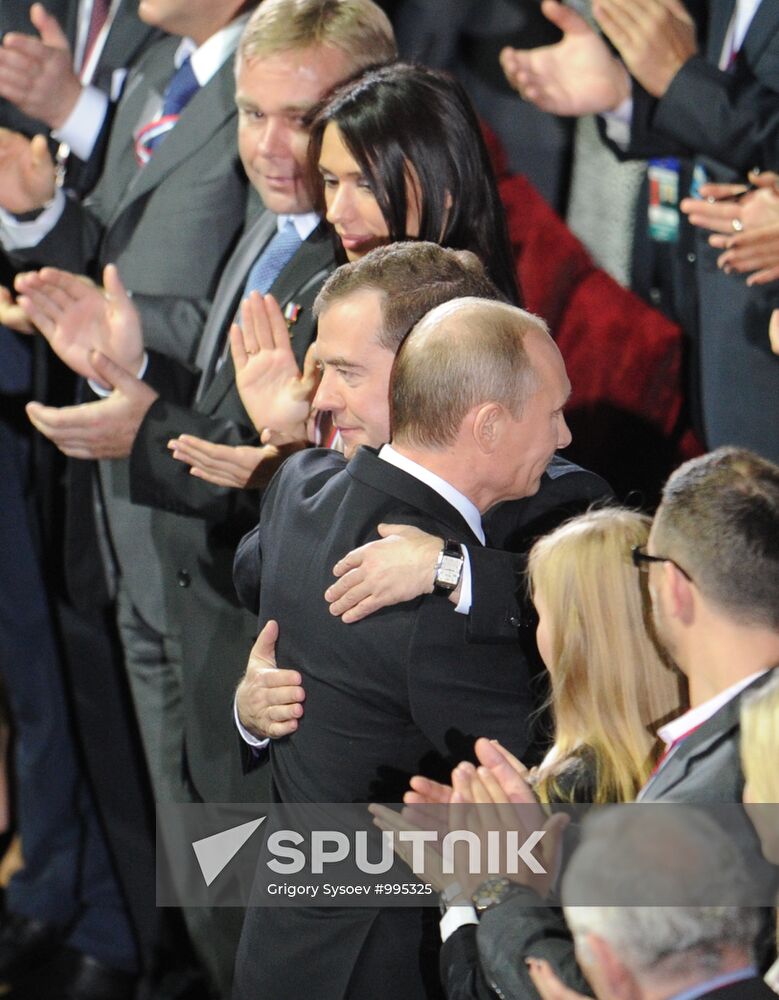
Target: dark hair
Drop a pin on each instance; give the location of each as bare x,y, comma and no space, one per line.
414,277
719,519
402,116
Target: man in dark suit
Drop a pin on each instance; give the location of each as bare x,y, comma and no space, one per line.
412,277
713,579
387,693
64,81
713,105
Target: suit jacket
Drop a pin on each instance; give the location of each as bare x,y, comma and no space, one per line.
196,526
398,693
126,40
705,768
169,227
727,122
498,570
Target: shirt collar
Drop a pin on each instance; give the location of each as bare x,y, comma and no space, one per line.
683,724
718,982
209,58
305,223
459,501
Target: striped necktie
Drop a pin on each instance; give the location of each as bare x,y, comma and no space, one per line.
179,92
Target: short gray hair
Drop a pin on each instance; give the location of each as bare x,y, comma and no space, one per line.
462,353
624,855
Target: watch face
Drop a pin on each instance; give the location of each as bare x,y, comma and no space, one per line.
449,571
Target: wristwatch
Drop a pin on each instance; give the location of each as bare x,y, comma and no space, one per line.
491,892
449,568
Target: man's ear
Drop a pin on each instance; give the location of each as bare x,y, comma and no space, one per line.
487,426
609,970
680,593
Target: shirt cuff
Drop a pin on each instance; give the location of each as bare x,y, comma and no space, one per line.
463,606
617,123
249,738
456,917
82,126
104,391
16,235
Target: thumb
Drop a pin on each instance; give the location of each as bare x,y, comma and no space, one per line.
565,18
404,530
108,371
114,285
39,151
264,647
48,28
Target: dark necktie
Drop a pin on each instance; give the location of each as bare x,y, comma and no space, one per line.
179,92
97,19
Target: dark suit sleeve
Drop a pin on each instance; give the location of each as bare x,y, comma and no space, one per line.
158,480
496,578
731,117
246,569
461,974
513,931
499,600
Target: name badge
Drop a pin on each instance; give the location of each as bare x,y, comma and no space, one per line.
663,211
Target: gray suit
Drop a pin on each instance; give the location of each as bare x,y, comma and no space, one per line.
197,526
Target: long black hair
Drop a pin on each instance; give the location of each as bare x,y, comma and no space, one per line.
405,121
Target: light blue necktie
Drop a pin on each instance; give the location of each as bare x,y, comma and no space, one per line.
278,252
273,259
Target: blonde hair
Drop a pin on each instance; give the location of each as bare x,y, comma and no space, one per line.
760,741
610,688
359,28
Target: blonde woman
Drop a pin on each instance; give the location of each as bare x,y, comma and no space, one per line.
610,689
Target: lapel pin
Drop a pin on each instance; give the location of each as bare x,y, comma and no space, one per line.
291,313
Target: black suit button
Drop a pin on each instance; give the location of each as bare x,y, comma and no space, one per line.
183,578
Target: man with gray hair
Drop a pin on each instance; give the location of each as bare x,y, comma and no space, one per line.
697,941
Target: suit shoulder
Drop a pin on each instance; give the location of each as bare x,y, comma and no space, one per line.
307,471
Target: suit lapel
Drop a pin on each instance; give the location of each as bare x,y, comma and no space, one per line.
228,294
310,264
208,112
761,31
722,725
721,12
366,467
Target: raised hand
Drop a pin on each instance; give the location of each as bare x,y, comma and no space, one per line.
655,38
105,428
243,467
76,316
576,76
36,73
269,699
28,178
399,567
272,389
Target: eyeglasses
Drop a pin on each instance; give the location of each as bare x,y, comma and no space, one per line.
641,560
